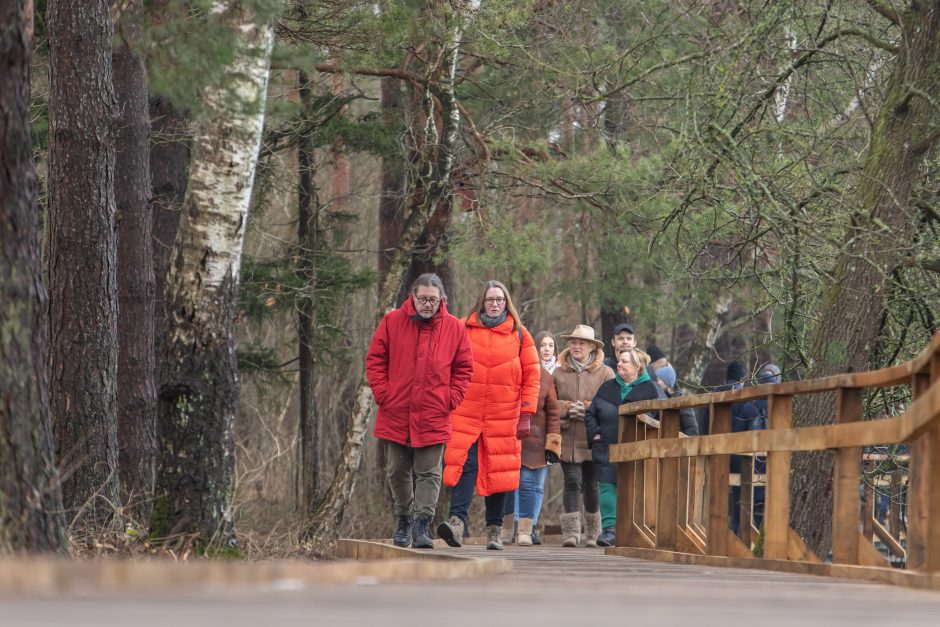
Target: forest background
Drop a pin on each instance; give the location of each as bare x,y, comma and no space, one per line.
739,179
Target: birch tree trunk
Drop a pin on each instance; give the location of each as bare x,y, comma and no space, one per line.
199,379
433,188
82,255
30,499
876,240
136,387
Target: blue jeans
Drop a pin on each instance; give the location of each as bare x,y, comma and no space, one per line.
462,493
530,493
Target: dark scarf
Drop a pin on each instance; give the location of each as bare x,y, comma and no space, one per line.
489,323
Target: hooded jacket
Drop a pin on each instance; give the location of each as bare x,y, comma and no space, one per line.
419,371
505,383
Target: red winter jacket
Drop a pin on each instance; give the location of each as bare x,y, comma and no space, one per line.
419,371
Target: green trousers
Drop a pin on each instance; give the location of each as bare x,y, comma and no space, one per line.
608,504
414,476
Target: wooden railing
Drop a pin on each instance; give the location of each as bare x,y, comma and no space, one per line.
673,492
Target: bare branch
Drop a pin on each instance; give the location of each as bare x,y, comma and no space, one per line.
885,10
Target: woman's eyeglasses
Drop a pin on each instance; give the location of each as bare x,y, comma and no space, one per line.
494,301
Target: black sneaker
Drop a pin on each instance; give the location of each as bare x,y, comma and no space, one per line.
422,533
608,537
402,535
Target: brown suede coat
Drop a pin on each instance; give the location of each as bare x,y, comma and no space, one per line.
570,387
545,432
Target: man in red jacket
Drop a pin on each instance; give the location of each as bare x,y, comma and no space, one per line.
419,366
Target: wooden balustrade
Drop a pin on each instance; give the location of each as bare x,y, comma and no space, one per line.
673,491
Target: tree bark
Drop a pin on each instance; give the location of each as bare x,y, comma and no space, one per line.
169,169
435,185
30,499
307,241
82,255
136,388
199,379
878,237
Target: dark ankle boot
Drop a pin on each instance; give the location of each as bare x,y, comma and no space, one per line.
422,533
608,537
402,535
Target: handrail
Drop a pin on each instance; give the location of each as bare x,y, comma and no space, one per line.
885,377
673,491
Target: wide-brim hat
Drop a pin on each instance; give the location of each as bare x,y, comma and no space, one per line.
583,332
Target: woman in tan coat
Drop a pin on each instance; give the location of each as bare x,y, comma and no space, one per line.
580,372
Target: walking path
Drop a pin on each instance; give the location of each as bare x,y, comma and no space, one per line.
549,586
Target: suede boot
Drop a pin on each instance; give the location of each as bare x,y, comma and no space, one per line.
524,538
509,528
451,531
570,529
422,533
402,535
494,537
592,529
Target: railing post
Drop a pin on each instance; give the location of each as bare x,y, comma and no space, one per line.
917,495
746,507
932,446
777,499
845,498
667,506
626,486
718,494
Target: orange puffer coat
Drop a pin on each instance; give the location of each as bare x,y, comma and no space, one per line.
505,383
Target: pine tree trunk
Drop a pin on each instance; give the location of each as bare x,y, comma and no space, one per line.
307,240
881,229
30,499
435,186
199,379
82,255
136,388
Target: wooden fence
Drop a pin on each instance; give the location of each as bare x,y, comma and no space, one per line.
673,491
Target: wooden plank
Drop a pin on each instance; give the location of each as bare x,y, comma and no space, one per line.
797,550
626,487
868,555
736,548
687,541
777,497
667,514
910,424
933,501
698,493
746,506
920,471
868,506
684,490
886,377
845,506
892,576
896,488
894,547
650,481
718,466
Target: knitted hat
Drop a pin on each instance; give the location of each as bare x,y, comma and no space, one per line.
655,353
736,372
668,374
769,374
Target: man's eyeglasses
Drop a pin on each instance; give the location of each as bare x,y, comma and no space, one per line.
494,301
427,300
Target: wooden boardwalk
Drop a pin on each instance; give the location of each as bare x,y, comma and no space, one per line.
549,586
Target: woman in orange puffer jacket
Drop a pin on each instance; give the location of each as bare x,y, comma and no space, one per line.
485,448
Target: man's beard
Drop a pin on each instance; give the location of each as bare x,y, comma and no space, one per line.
427,315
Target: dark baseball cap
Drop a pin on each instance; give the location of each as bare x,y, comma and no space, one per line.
623,326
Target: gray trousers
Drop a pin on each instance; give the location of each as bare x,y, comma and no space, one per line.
414,476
